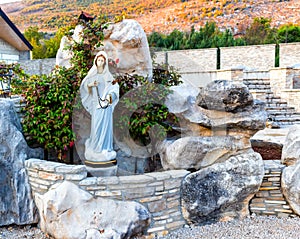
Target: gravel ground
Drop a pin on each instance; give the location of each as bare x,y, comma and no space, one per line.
249,228
21,232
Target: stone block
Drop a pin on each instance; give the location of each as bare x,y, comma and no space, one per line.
135,193
275,202
175,225
159,176
150,199
108,194
156,229
42,165
76,177
88,181
50,176
173,204
157,206
71,169
178,173
172,183
95,188
108,180
41,181
135,179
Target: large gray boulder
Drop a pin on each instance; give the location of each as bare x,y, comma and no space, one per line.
291,147
224,95
290,185
16,203
221,192
214,123
68,212
223,106
198,152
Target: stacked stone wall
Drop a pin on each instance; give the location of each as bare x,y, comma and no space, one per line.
289,54
269,200
189,60
159,192
292,97
38,67
259,57
252,57
10,54
283,82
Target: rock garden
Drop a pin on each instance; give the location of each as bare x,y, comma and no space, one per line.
172,155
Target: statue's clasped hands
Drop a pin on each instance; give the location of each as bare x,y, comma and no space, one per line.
93,84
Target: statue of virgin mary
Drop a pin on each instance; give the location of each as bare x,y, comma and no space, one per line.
99,97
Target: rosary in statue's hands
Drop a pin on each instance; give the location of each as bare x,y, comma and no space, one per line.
93,84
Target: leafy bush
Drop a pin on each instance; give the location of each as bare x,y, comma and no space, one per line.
142,107
50,98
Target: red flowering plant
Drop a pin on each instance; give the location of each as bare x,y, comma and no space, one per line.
50,98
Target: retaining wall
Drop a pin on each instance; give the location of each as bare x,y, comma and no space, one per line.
270,200
189,60
159,192
38,67
254,57
289,54
285,83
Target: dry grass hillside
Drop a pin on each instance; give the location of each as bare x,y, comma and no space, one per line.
155,15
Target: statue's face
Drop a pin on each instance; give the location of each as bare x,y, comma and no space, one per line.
100,62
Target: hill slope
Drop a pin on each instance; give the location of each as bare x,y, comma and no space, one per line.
155,15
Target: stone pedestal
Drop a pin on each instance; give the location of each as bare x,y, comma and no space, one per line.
102,169
103,172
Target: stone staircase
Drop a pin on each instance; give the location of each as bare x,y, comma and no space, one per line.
279,113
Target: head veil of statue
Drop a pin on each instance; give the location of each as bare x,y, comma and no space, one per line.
105,86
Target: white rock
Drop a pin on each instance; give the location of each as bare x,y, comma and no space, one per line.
198,152
71,213
126,43
290,185
291,146
182,97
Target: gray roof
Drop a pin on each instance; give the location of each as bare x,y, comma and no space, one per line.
11,34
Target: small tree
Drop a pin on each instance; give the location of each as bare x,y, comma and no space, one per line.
260,32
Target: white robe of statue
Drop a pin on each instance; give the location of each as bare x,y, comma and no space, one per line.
99,146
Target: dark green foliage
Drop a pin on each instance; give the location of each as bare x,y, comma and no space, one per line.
277,56
288,33
141,107
207,37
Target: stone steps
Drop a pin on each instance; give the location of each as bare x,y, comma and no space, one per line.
276,108
284,113
277,104
278,111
